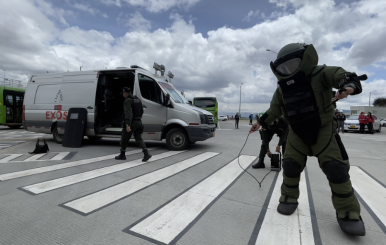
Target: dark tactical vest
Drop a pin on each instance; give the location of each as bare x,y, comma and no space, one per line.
301,107
136,107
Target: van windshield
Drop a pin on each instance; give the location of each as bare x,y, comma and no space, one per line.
174,93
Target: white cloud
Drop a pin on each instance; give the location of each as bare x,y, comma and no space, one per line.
135,22
88,9
161,5
50,11
250,15
112,2
215,65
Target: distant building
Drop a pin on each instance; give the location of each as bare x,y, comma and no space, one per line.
377,111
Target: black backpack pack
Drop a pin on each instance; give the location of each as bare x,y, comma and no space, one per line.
39,149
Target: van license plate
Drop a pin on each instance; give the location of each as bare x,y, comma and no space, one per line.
353,127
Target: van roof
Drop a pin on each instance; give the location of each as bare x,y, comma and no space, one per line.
91,72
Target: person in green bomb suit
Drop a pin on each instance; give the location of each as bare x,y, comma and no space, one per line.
132,124
279,127
304,96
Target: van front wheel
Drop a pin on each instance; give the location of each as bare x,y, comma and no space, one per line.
58,138
177,139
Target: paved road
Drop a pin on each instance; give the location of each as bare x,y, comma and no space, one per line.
198,196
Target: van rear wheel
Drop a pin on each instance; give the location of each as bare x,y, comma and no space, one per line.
58,138
14,126
177,139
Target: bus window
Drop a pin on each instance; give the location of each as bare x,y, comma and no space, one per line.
205,103
9,99
19,100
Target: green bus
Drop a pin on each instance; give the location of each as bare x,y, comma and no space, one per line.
208,103
11,106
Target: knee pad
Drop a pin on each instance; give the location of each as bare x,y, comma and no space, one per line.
291,168
336,171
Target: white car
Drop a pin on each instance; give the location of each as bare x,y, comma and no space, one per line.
383,122
222,118
352,123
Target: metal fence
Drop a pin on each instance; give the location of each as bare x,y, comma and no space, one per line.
12,83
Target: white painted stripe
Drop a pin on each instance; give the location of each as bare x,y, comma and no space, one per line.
33,171
169,221
293,229
10,157
60,156
371,192
76,178
102,198
34,157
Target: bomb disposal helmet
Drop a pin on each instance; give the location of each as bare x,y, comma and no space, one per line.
288,59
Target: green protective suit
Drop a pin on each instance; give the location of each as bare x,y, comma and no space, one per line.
135,126
329,150
266,136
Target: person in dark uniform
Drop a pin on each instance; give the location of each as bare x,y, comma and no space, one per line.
237,118
341,118
132,124
305,97
279,127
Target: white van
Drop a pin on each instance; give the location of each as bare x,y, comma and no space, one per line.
167,114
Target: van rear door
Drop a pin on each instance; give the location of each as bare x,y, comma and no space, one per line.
78,91
154,116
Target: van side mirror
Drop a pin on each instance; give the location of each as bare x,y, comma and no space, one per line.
167,100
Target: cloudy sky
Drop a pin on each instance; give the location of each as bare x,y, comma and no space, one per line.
212,46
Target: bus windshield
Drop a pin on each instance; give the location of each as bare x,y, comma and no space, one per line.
174,93
205,102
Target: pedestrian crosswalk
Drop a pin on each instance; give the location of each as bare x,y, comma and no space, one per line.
294,229
173,219
7,144
164,225
52,156
21,134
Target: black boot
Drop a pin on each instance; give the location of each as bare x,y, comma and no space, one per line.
146,155
287,208
352,227
259,164
121,156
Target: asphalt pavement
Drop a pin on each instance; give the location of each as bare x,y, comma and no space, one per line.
198,196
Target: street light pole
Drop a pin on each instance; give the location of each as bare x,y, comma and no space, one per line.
270,51
370,96
240,100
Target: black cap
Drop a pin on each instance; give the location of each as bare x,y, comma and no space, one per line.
126,89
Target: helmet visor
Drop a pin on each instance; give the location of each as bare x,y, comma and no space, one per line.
288,67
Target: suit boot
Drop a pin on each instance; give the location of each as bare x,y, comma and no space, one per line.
352,227
259,164
146,155
287,208
121,156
